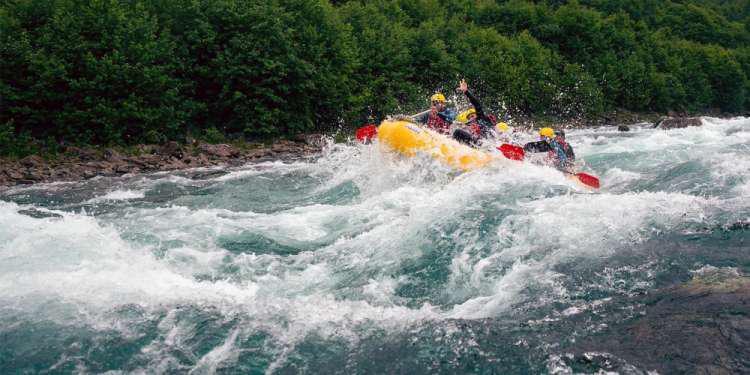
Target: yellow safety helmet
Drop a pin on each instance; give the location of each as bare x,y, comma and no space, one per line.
547,132
502,127
437,97
464,116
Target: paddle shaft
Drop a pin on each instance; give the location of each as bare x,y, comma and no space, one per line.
420,114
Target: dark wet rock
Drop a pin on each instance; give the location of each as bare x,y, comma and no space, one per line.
145,161
30,175
678,122
111,155
259,153
32,161
674,114
171,149
61,174
200,160
174,163
80,153
623,128
702,326
88,173
219,150
147,149
235,162
203,175
34,174
739,225
315,140
126,168
14,174
38,214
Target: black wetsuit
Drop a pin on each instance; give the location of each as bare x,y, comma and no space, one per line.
544,146
569,151
560,151
483,122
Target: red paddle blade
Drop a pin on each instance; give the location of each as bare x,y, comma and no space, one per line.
366,133
511,152
588,179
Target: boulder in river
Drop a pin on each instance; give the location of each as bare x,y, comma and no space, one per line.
702,326
678,122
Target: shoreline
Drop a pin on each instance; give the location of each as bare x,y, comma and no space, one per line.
78,164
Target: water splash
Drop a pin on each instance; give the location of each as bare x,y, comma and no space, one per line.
298,266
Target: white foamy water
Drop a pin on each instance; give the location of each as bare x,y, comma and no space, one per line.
119,195
360,242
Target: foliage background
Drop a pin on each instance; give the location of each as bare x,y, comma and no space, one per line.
119,72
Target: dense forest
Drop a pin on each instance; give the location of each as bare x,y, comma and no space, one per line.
119,72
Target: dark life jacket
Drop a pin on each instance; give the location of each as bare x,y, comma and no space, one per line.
554,151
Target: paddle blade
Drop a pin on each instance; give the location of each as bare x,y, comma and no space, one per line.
511,152
588,180
366,133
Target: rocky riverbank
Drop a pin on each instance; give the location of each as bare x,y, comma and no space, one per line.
83,163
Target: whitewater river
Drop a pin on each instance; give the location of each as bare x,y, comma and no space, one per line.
357,261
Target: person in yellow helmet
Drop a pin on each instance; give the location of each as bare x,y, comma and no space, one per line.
502,127
463,117
479,124
549,143
507,134
440,117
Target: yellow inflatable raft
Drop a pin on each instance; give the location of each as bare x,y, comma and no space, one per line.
407,138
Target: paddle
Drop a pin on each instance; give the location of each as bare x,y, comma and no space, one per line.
511,152
588,179
366,133
370,131
516,153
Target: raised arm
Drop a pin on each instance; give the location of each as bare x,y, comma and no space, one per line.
463,87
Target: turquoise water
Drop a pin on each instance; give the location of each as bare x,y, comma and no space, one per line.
358,261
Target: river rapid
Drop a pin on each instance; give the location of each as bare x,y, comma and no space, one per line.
359,261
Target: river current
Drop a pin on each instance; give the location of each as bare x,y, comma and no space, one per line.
359,261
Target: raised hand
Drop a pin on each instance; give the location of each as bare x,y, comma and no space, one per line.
463,87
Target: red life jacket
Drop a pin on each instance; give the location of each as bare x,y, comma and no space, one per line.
437,123
476,129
